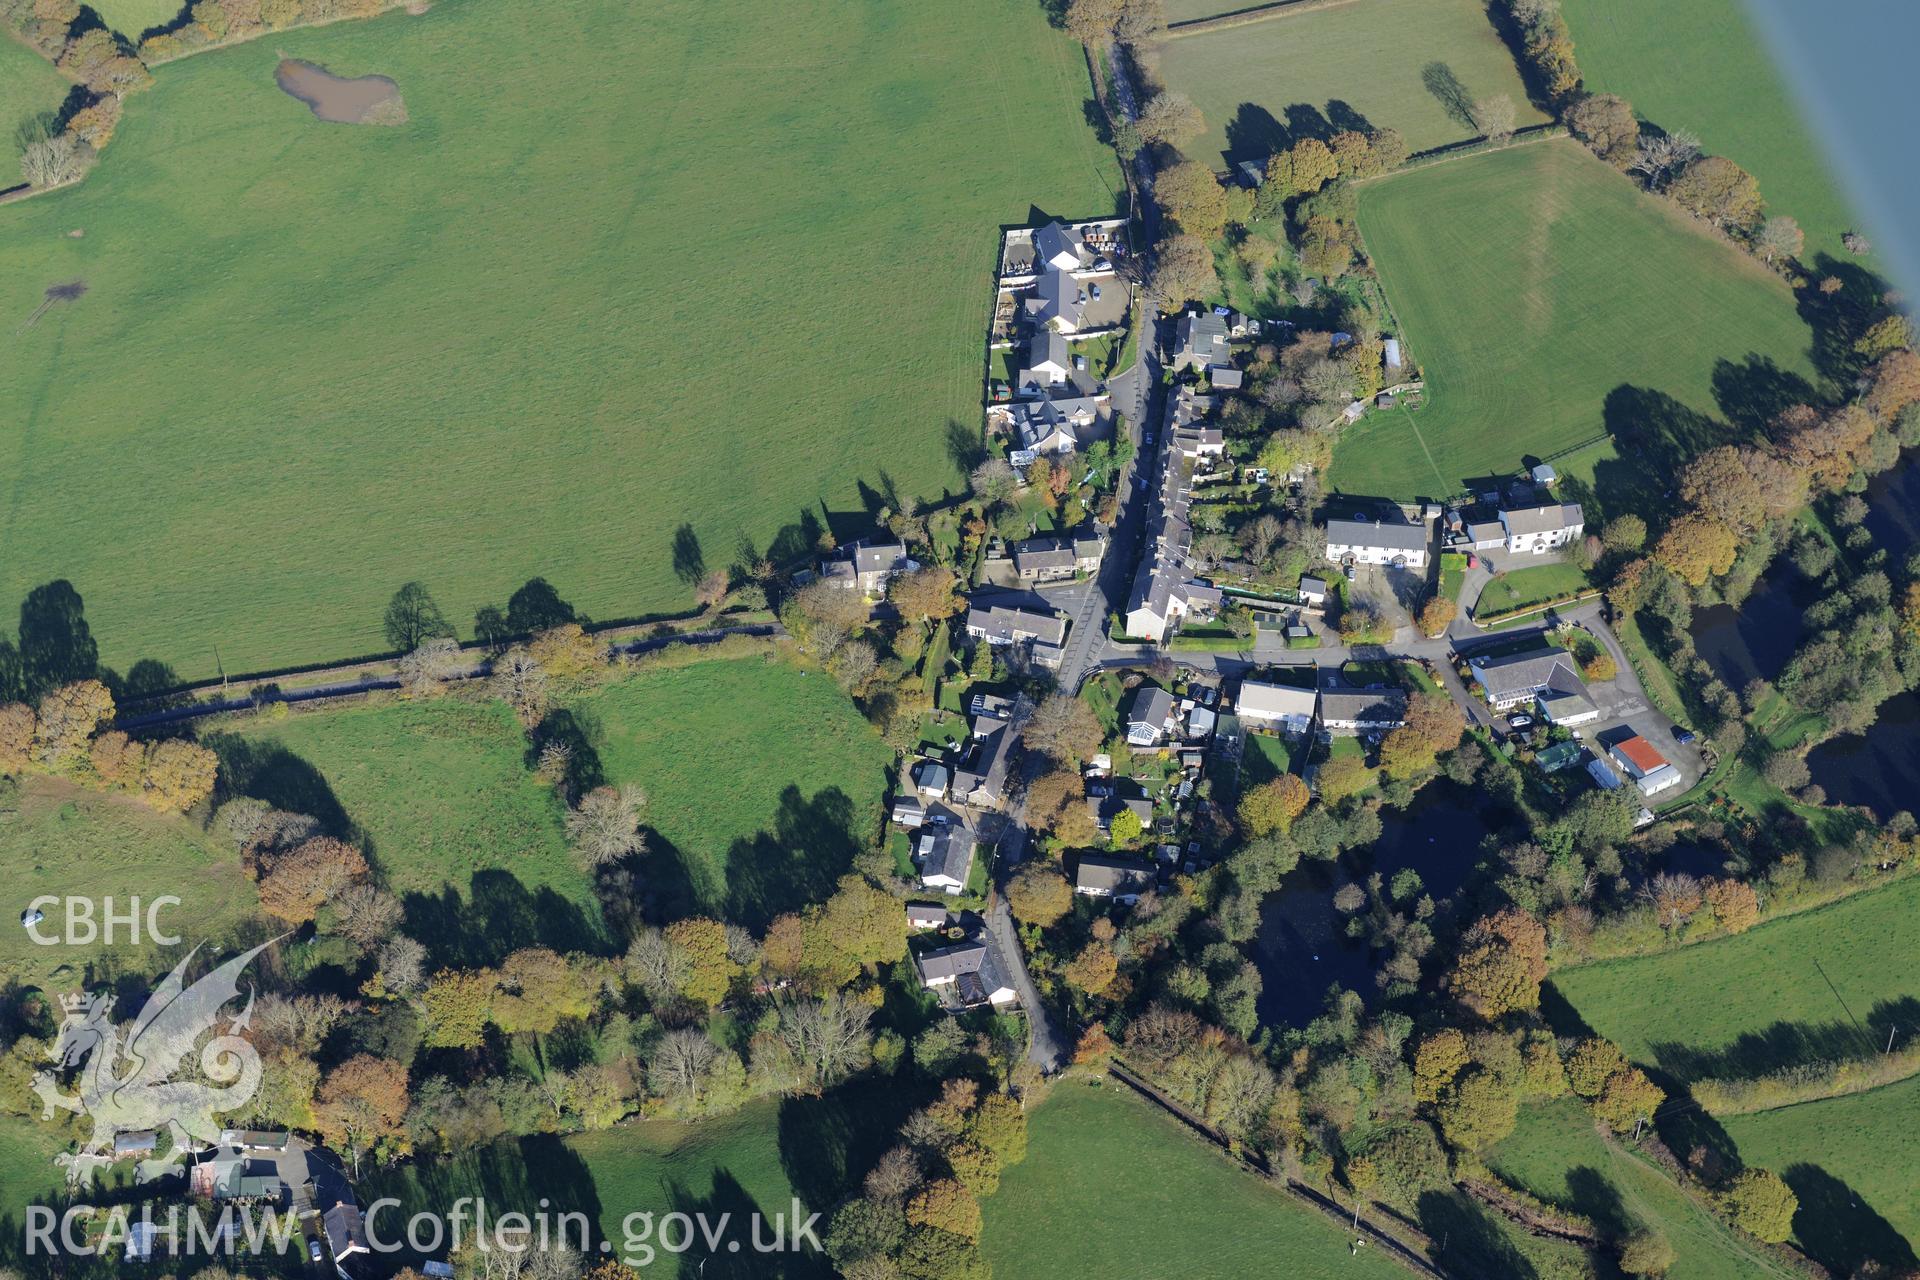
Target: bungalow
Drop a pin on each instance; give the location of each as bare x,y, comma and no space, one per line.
993,705
1199,341
1312,590
1122,879
945,856
255,1139
1397,543
1057,558
933,778
1644,765
1105,807
1354,711
926,915
1515,678
982,781
1151,718
1059,247
966,974
1048,362
1533,530
867,567
346,1231
231,1176
1277,706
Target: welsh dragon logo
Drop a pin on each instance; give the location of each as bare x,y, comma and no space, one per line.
126,1085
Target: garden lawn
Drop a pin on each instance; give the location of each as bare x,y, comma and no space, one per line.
439,790
29,87
1320,68
59,839
763,780
1852,1161
1518,588
1114,1188
1548,301
612,277
1714,993
1702,66
1556,1154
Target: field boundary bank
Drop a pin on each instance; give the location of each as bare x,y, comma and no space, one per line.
1543,606
1849,1078
373,680
1893,880
1254,13
1399,1250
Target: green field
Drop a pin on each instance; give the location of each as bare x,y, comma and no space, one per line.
29,86
1852,1162
1702,66
1743,1005
438,790
1350,64
1111,1187
1548,301
1520,587
592,290
762,778
1556,1154
58,839
131,18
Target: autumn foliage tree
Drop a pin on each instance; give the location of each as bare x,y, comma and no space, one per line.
1434,724
297,883
1039,894
362,1104
1501,964
1272,806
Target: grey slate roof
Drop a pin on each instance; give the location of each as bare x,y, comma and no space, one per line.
1151,705
1363,706
1377,533
946,851
988,772
1547,519
1049,241
1100,873
1521,672
1006,624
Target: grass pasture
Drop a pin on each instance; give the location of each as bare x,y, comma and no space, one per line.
1851,1160
1182,1208
29,86
763,779
438,790
133,18
1556,1154
1547,302
1786,991
1404,64
589,293
1702,66
59,839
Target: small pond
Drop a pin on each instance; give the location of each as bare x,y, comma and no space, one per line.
1880,768
360,100
1302,947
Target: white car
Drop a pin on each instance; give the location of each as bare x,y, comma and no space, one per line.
313,1250
1520,722
31,917
1095,290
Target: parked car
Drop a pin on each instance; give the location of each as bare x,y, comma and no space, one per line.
1683,736
1473,561
313,1250
1095,291
31,917
1349,572
1519,722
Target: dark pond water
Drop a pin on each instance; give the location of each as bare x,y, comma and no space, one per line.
1880,768
1756,637
1302,948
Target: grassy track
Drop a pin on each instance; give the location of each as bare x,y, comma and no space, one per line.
1852,1161
1555,1154
64,841
439,790
1262,84
29,86
1547,301
1702,66
1111,1187
1763,981
594,289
